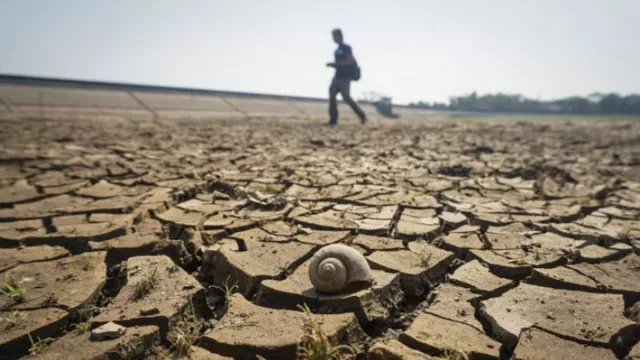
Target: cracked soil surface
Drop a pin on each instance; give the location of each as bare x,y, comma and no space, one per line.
487,239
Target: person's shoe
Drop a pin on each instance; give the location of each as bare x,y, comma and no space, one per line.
363,120
331,123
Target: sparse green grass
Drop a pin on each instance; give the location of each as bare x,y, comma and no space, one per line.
450,354
314,344
11,320
181,342
521,260
425,259
538,255
272,188
145,285
80,328
15,291
38,345
125,351
228,289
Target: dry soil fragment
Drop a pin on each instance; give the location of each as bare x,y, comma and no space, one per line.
634,354
409,226
51,178
478,278
577,231
535,344
11,257
79,346
596,253
209,207
462,239
280,228
583,316
43,208
435,335
181,217
328,220
320,237
373,226
511,236
515,266
21,191
104,189
616,276
247,330
40,323
259,235
198,353
153,281
419,268
77,235
455,303
562,277
137,244
72,282
107,331
395,350
57,190
453,219
372,303
373,243
262,260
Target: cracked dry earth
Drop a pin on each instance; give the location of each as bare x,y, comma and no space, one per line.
487,239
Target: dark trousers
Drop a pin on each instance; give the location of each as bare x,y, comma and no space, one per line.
342,86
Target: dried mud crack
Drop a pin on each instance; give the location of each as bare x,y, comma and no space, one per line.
487,240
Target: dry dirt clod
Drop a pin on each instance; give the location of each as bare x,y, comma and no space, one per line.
107,331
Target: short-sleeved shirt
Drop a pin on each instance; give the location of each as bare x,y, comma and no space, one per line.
343,72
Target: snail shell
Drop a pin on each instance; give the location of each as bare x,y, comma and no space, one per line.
336,266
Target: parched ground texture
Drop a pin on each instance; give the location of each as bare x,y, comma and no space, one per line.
510,239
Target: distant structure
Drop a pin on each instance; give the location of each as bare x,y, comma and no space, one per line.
383,103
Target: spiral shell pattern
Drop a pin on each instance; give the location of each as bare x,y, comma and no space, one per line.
335,266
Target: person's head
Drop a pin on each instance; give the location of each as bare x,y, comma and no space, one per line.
337,36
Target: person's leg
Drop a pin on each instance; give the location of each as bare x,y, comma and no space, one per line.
345,89
333,102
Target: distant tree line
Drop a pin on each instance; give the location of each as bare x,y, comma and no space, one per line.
596,103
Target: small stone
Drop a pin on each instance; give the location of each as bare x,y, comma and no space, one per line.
149,311
550,316
107,331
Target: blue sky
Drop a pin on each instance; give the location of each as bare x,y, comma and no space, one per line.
408,49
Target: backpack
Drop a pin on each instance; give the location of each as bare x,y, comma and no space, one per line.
356,73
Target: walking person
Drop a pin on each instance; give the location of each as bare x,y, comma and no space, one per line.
347,70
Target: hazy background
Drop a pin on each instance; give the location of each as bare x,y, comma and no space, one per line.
410,50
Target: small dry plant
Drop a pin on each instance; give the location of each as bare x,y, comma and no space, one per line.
11,320
38,344
80,328
450,354
125,351
538,255
15,291
425,259
226,288
145,285
181,343
314,344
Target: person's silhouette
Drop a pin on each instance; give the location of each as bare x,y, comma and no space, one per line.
346,68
